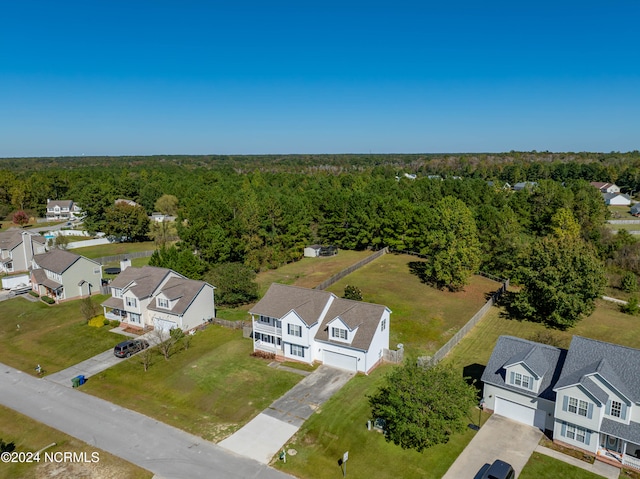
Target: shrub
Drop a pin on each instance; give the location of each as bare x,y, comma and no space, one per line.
105,322
352,292
632,307
263,355
629,282
34,294
47,299
96,322
114,323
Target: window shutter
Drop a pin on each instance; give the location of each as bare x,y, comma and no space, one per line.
565,404
512,377
587,437
531,382
590,411
608,406
563,430
623,412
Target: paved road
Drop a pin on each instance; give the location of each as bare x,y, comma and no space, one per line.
164,450
265,435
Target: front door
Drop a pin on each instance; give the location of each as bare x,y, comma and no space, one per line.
611,443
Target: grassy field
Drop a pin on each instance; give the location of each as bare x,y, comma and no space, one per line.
423,318
55,337
30,436
335,429
114,249
307,273
540,466
210,390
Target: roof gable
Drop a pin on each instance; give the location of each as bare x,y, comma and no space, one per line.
616,365
58,260
510,350
181,292
142,282
280,299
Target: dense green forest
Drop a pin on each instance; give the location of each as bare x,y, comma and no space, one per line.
262,211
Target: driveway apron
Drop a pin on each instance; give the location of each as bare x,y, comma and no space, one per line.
498,438
265,435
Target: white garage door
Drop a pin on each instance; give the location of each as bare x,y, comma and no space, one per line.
520,413
341,361
164,324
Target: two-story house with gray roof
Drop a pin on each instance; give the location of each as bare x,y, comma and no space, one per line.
17,248
160,298
64,275
312,325
588,395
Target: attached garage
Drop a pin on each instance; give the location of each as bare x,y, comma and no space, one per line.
163,324
520,413
341,361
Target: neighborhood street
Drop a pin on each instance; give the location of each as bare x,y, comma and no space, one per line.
164,450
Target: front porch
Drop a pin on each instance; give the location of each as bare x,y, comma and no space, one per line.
618,452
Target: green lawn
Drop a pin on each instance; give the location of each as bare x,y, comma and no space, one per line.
55,337
423,318
540,466
31,436
337,428
309,272
211,389
114,248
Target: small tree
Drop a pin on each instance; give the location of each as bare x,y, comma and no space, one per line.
629,282
62,242
632,307
164,341
20,218
235,283
352,292
423,407
88,308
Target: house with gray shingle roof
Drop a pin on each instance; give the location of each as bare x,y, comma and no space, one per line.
17,248
588,395
159,298
313,325
64,275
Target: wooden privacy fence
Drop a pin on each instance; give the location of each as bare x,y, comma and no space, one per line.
334,279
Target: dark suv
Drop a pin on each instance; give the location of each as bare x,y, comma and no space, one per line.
129,347
499,470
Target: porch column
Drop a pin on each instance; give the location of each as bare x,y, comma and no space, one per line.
624,447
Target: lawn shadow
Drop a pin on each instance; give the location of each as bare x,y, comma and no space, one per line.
418,269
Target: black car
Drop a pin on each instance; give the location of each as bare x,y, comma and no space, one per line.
129,347
499,470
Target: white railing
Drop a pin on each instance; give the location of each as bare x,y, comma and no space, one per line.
631,461
111,315
267,329
269,347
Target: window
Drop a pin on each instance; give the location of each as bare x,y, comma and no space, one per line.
577,433
616,409
339,333
117,293
526,382
265,319
579,407
295,330
133,302
163,303
134,318
383,325
297,350
521,380
96,270
518,379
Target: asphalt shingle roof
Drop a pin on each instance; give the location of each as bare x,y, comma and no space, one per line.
629,432
280,299
56,260
619,368
147,279
509,348
183,290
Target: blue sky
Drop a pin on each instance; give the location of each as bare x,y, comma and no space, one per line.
141,77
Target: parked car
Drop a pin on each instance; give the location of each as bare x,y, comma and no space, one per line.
499,470
129,347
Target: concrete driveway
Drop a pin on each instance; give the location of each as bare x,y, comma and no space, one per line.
498,438
265,435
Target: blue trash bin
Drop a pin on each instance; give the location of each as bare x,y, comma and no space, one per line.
81,379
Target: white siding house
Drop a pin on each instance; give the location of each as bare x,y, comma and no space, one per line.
312,325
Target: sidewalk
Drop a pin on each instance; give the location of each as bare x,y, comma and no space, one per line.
598,467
